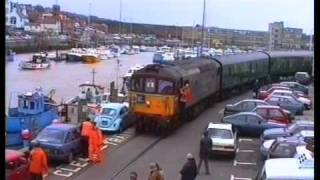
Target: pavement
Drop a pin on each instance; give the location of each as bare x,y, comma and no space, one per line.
127,152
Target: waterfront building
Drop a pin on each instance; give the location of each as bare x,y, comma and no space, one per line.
17,16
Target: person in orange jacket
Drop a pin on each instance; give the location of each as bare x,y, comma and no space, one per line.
95,144
38,162
85,127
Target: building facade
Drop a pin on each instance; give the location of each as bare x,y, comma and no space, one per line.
17,16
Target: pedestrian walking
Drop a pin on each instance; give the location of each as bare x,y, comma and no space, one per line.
133,175
27,137
189,170
38,162
154,172
85,128
95,144
205,147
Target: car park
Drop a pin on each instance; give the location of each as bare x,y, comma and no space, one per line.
288,103
223,138
246,105
250,123
287,131
265,93
296,86
302,78
275,113
113,117
300,167
16,165
60,141
307,102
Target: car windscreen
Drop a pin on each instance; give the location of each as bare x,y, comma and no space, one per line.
54,136
220,133
109,112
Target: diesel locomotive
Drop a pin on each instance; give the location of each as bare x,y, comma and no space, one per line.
154,92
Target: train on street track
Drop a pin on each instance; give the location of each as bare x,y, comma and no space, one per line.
154,93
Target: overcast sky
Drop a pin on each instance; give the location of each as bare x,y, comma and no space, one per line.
234,14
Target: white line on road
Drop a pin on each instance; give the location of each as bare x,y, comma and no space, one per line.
84,159
120,137
111,143
245,150
245,139
235,163
232,177
104,147
72,170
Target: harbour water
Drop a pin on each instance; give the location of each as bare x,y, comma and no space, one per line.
65,77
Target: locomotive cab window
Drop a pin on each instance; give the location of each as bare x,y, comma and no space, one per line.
165,87
150,85
137,84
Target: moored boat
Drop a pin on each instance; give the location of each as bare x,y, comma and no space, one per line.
90,57
34,112
39,61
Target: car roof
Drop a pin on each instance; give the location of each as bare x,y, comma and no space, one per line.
268,106
254,100
12,155
112,105
307,133
275,169
220,126
282,91
304,122
62,126
289,97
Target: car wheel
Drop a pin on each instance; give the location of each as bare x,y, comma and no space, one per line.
70,157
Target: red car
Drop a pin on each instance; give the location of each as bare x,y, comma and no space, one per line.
265,93
17,165
275,113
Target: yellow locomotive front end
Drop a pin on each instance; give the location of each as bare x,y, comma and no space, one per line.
153,102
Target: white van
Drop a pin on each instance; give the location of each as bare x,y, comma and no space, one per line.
301,167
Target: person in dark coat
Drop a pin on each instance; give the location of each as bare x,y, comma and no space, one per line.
189,170
205,148
256,88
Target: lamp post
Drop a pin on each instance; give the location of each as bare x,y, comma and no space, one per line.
203,21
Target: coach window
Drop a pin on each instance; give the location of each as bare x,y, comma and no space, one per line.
150,85
165,87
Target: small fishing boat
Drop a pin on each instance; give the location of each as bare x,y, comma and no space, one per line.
161,57
74,55
34,111
90,56
39,61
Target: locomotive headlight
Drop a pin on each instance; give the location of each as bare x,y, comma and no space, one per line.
148,103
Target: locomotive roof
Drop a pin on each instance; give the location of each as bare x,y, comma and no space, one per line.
275,54
178,68
240,58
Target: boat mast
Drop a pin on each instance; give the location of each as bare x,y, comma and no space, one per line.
120,16
93,75
203,21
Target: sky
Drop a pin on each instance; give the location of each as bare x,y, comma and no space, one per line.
232,14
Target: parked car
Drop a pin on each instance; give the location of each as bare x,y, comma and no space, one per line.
302,78
307,102
223,138
275,113
296,86
300,167
265,93
287,131
250,123
113,117
288,103
269,146
17,165
60,141
246,105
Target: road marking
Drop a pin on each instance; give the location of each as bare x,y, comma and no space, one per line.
245,139
232,177
235,163
79,164
115,140
120,137
84,159
108,142
104,147
62,173
245,150
72,170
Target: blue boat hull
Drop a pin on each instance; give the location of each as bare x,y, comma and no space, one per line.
34,123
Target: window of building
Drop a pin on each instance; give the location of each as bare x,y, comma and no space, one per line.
31,105
13,20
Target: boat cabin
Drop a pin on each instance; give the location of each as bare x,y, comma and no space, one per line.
90,92
31,103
